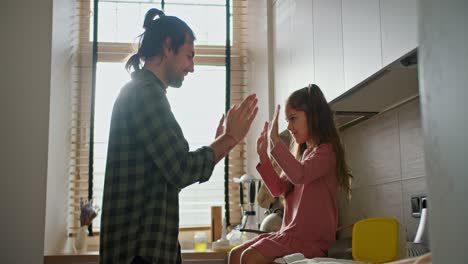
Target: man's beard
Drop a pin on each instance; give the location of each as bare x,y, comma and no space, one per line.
174,79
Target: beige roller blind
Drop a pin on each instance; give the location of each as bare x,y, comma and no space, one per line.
81,110
238,92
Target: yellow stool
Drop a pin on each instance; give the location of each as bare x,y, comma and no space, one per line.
375,240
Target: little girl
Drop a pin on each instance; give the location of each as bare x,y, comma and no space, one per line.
309,182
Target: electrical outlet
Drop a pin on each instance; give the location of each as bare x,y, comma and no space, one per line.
418,201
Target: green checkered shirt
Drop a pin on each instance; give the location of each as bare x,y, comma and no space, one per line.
148,163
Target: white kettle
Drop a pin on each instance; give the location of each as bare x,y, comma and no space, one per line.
272,222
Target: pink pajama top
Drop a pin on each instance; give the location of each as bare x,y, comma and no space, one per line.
310,213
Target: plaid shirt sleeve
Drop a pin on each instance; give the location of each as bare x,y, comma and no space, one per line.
165,142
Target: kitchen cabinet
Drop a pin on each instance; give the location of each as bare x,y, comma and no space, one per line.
328,47
362,46
338,44
92,257
399,25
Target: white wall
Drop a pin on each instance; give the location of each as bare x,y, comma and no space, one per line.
258,75
386,157
26,30
443,56
58,161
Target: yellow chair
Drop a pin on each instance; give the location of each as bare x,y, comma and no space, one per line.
376,240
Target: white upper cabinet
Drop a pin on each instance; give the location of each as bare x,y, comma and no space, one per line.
399,24
328,47
338,44
362,44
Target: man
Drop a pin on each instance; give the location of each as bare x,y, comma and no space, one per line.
148,160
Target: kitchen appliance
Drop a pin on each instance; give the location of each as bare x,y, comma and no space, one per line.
417,247
249,214
272,222
391,86
250,221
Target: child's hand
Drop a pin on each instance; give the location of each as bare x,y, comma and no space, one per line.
262,144
274,136
220,129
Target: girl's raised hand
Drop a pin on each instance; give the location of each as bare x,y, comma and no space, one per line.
274,135
262,144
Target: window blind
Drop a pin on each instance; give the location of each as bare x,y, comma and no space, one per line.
237,90
113,50
81,112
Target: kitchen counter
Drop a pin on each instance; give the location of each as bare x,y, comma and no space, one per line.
93,257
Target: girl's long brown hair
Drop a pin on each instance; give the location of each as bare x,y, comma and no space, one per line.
322,127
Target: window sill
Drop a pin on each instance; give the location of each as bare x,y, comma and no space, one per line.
185,238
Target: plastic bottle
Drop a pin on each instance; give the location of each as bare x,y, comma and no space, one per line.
200,240
222,244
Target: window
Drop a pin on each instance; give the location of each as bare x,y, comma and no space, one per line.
196,119
120,22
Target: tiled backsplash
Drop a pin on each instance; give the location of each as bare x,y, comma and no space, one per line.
386,156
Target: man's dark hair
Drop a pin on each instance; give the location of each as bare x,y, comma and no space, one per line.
156,31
